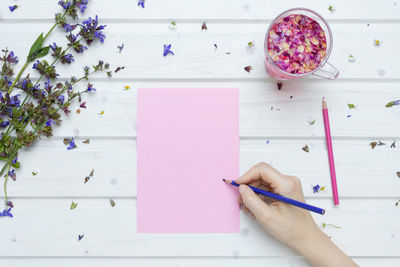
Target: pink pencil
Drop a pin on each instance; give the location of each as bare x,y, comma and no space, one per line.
330,152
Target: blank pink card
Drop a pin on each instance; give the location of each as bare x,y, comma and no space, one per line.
187,141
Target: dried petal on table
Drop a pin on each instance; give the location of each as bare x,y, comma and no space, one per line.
393,145
373,144
112,203
91,173
398,174
248,68
279,84
351,106
73,205
34,173
393,103
120,48
87,141
204,26
306,148
80,237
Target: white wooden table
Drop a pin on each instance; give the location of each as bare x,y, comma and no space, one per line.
44,231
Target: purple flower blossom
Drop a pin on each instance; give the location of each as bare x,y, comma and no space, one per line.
315,188
61,99
50,122
10,204
141,3
64,4
90,88
91,28
80,237
83,5
12,58
167,50
68,58
6,213
14,160
4,124
12,8
68,27
53,46
120,47
37,62
72,144
12,174
14,101
7,81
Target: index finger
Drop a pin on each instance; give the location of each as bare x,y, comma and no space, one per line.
261,171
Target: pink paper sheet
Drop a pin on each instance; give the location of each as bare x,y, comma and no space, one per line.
187,141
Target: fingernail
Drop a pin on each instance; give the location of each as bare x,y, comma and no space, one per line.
242,189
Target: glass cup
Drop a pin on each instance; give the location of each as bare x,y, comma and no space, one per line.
324,69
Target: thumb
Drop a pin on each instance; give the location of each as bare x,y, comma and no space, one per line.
256,205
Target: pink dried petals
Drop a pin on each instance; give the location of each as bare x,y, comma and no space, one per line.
297,44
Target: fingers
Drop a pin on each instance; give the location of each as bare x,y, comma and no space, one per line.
261,171
258,207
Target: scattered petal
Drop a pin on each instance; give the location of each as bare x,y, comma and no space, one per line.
398,174
267,142
101,112
351,106
80,237
141,3
73,205
78,111
351,58
216,46
316,188
204,26
87,178
348,116
279,84
120,48
250,44
311,121
172,26
91,173
328,224
228,52
393,145
393,103
71,144
112,203
10,204
83,105
127,87
332,9
12,8
377,42
248,68
34,173
87,141
167,50
306,148
373,145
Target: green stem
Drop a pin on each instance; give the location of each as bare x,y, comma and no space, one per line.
18,76
5,185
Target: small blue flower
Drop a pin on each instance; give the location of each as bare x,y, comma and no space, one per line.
90,88
348,116
7,81
53,46
12,174
6,213
167,50
50,122
100,35
315,188
14,101
397,102
68,27
64,4
12,8
37,62
14,160
141,3
80,237
83,5
12,58
68,58
61,99
72,144
4,124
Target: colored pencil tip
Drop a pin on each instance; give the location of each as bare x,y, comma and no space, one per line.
223,180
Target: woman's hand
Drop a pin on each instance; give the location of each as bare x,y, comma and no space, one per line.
289,224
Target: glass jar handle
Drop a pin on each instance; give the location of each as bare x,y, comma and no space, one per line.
328,71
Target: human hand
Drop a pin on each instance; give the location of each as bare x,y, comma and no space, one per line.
289,224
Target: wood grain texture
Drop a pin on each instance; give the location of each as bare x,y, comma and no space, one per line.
210,10
196,57
361,172
112,231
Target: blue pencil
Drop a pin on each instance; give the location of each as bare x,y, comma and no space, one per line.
281,198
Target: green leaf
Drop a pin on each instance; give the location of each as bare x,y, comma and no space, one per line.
37,45
390,104
34,173
73,205
42,52
16,164
351,106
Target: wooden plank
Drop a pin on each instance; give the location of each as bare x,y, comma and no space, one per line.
265,112
196,57
361,172
185,262
43,228
209,10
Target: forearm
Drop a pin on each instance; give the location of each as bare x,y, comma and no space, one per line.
320,251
